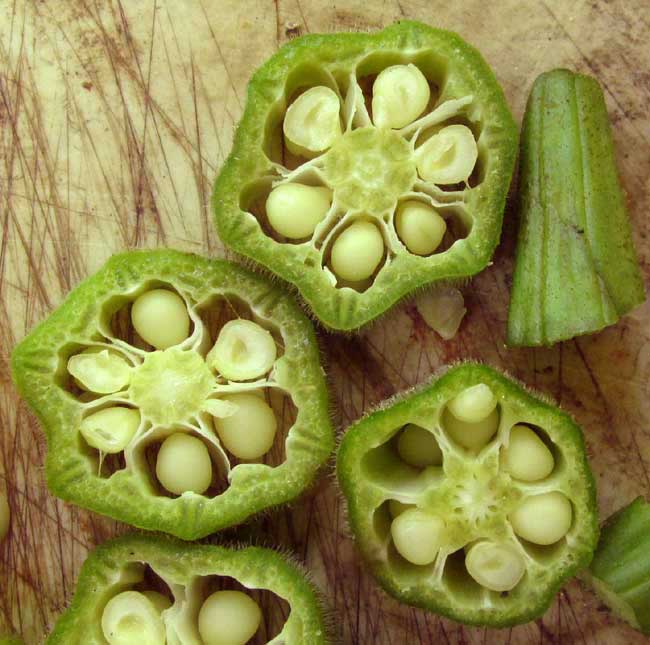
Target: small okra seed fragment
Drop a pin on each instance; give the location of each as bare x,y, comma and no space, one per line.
417,535
472,436
229,618
130,617
5,515
110,430
498,567
419,226
313,122
244,350
158,600
400,94
184,464
357,252
449,156
294,210
527,457
473,404
250,431
100,370
396,508
418,447
543,519
160,317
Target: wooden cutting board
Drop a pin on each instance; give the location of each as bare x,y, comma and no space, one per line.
114,119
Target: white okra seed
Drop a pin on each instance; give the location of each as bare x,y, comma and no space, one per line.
160,317
417,535
100,370
527,457
419,226
449,156
183,464
472,436
5,515
130,617
294,210
473,404
110,430
543,519
495,566
418,447
400,94
357,251
228,618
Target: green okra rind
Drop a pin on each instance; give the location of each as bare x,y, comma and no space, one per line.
366,482
620,570
129,495
115,566
463,71
576,270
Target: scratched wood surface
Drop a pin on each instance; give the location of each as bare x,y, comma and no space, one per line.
114,118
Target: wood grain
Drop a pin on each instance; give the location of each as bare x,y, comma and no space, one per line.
114,118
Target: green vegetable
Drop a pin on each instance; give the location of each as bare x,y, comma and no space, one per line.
366,166
620,570
155,589
146,431
576,270
484,533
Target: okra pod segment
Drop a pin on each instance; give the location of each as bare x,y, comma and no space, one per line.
454,514
576,270
154,590
177,394
366,166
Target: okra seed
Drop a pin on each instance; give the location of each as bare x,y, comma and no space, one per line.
158,600
473,404
5,515
357,252
400,94
160,317
294,210
417,535
229,618
130,617
527,457
249,432
449,156
184,464
99,370
110,430
313,122
543,519
498,567
420,227
472,436
396,508
244,350
418,447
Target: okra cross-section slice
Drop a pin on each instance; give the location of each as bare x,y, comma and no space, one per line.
366,166
177,394
470,497
620,570
576,270
153,590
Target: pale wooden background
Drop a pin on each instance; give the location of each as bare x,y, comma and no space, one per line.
114,118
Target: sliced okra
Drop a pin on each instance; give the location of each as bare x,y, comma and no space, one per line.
620,570
155,591
368,165
576,270
470,497
177,394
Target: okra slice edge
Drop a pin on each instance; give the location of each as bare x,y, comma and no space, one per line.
462,492
118,565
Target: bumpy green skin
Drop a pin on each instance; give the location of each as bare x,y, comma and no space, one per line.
576,269
105,574
340,54
365,492
128,494
620,570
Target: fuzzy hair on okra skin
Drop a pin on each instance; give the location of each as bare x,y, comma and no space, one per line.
141,429
187,575
454,475
576,269
425,201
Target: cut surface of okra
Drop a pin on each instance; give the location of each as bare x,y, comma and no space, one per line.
177,394
149,590
470,497
368,165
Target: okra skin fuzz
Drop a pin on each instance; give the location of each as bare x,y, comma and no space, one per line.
576,270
